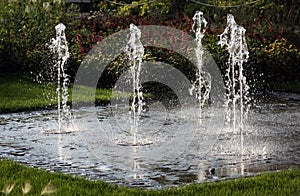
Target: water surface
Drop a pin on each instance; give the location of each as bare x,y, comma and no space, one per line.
173,148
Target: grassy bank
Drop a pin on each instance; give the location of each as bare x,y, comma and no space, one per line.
19,94
16,177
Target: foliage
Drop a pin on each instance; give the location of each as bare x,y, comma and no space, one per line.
28,27
272,12
259,37
25,26
138,7
14,176
263,19
159,7
282,59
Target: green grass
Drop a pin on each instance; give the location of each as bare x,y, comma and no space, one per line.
19,94
12,173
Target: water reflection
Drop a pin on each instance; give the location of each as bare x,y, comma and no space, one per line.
271,142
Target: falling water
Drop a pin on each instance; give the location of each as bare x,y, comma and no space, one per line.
135,51
233,38
202,84
60,48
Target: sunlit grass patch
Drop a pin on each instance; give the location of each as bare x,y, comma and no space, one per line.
19,93
22,94
14,176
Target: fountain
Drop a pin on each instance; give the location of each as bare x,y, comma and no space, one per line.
234,39
135,51
160,147
202,84
60,48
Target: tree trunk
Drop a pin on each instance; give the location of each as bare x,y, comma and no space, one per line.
175,7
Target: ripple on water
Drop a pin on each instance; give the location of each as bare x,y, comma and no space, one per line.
271,143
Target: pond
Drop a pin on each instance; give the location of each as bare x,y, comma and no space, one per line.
172,148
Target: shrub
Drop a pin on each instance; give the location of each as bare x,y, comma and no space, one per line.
282,60
263,59
26,26
29,25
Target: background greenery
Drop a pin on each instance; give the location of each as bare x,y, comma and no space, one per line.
272,33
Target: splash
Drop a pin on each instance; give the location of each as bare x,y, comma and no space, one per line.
135,51
59,46
237,89
202,85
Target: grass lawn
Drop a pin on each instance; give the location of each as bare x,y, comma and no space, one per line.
20,179
19,93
